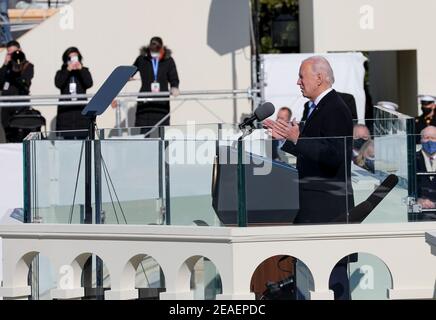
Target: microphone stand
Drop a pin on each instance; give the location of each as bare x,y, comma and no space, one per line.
242,197
89,216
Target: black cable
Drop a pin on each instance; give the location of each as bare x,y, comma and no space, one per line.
110,195
113,187
107,175
115,192
283,259
70,220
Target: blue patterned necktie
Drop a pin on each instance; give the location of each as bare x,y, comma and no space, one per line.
312,107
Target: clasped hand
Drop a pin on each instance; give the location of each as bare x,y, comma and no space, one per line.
280,129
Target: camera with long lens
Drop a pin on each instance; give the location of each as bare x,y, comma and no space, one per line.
18,57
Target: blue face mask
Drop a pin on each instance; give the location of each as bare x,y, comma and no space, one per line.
369,163
429,147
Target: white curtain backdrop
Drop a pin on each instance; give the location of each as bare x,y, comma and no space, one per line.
281,76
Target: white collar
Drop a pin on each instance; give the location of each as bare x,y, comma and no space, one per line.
430,167
322,95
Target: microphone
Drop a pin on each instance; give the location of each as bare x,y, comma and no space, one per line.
361,211
261,113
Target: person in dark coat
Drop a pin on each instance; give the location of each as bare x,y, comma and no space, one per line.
158,74
351,104
426,163
427,118
72,78
323,156
284,114
16,76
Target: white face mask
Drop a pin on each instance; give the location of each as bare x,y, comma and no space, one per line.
155,55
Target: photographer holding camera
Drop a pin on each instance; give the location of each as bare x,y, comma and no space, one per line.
72,78
15,79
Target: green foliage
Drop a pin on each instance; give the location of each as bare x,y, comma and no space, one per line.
268,11
278,4
266,45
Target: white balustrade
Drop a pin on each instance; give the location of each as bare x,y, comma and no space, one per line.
236,253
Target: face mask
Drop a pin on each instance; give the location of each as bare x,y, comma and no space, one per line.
155,55
426,111
429,147
369,163
358,143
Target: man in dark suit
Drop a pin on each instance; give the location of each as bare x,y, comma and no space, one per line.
284,114
349,101
426,163
323,155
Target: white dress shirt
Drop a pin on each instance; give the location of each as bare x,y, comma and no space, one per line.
430,162
322,95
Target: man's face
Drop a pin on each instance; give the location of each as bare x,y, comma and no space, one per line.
308,81
283,115
429,134
361,133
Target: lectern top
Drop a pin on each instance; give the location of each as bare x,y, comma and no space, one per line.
109,90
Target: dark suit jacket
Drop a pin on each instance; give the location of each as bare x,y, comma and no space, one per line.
324,163
351,104
347,98
426,185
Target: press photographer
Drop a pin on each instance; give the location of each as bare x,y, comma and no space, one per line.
15,80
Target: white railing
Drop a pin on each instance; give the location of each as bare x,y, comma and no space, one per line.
236,253
124,99
56,99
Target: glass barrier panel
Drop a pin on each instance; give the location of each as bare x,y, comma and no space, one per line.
188,175
424,206
55,179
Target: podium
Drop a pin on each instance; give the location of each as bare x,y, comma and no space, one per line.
272,195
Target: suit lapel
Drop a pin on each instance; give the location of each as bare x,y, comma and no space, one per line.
304,117
317,110
306,111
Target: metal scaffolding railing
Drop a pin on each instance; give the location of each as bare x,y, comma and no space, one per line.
123,99
82,99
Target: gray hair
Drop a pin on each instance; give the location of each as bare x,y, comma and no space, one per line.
425,129
321,65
